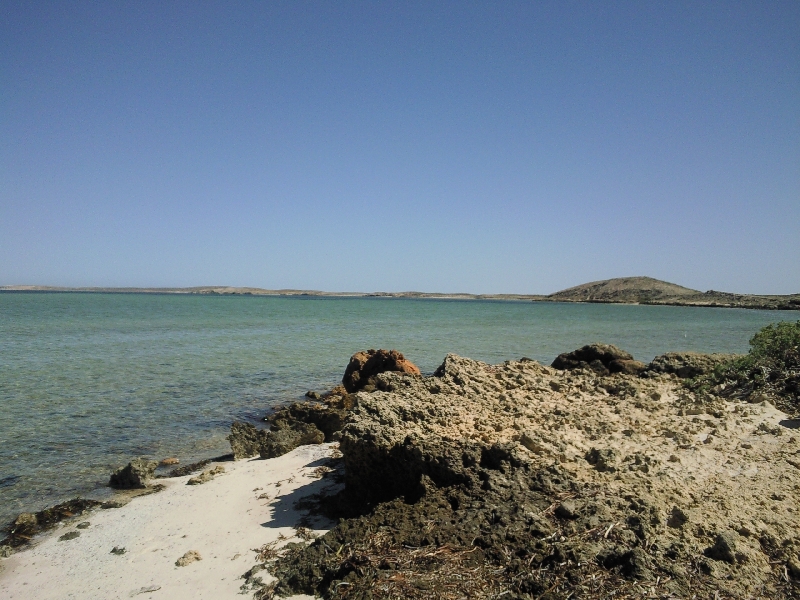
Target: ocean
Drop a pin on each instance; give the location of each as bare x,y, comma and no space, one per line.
90,380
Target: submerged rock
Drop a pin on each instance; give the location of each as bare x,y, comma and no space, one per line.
135,475
365,365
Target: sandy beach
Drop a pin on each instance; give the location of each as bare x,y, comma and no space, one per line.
223,520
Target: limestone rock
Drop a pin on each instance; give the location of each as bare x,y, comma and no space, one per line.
491,458
188,558
364,365
327,418
115,503
688,364
531,441
25,524
597,357
629,367
206,476
136,474
245,440
278,443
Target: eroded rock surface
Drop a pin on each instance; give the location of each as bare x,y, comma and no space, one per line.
26,525
247,441
523,478
597,357
136,474
688,364
363,366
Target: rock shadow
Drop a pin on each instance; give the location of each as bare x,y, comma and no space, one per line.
301,506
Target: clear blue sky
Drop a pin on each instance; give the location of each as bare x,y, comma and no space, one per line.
479,147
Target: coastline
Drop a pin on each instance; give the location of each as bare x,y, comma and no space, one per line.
709,299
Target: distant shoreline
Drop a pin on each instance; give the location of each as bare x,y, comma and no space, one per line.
710,299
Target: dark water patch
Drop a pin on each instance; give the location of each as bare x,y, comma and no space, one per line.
9,481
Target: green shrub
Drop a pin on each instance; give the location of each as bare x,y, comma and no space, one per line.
771,366
778,343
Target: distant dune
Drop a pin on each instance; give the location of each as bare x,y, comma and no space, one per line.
622,290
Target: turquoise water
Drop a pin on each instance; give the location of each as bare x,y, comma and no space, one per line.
88,381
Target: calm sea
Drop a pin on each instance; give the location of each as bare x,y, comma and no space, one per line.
88,381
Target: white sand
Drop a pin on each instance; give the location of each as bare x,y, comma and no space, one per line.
223,520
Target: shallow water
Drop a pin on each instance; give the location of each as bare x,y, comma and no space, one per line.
88,381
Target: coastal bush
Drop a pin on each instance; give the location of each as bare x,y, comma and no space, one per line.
772,366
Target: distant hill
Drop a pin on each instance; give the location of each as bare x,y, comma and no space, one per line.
646,290
622,289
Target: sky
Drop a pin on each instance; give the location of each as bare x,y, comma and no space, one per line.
484,147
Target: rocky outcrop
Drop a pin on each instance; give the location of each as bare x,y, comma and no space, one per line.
26,525
279,442
363,366
521,478
135,475
298,424
329,418
247,441
630,367
597,357
688,364
206,475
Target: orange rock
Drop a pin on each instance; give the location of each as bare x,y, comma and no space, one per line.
364,365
